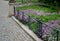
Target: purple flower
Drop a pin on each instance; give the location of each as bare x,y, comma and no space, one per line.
39,13
26,18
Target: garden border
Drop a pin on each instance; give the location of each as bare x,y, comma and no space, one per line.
27,30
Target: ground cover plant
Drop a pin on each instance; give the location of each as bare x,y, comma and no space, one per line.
49,19
44,18
37,7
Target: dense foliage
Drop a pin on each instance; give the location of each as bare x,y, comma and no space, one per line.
51,3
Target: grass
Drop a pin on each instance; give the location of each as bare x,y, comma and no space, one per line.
37,7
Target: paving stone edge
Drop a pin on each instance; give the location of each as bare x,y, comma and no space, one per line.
26,29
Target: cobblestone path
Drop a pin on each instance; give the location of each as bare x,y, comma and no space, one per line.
9,29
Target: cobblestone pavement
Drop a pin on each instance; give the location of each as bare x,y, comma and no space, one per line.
9,30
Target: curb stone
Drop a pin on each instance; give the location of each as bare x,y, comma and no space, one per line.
26,29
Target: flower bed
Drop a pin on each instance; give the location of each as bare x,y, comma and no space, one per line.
35,20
